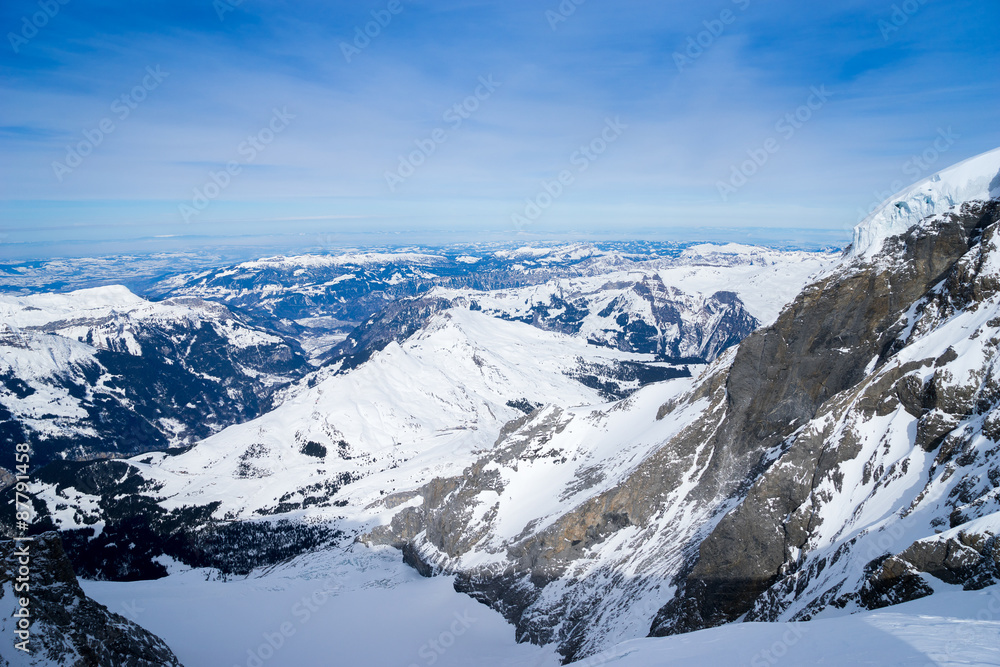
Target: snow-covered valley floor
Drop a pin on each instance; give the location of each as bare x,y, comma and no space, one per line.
368,609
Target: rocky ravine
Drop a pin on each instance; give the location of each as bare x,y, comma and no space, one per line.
845,456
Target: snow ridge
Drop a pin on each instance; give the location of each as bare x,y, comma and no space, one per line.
975,179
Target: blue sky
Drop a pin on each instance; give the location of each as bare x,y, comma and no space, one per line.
313,132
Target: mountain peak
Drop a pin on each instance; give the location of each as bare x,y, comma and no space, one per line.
975,179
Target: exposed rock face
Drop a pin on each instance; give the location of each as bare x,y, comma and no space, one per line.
820,346
816,465
68,628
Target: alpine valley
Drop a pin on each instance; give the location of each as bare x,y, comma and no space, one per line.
613,453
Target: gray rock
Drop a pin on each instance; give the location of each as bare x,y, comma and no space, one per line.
68,628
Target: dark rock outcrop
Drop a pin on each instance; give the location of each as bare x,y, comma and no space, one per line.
68,628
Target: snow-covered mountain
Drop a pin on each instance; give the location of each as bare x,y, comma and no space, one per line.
414,411
102,372
843,457
533,442
630,312
431,380
975,179
321,299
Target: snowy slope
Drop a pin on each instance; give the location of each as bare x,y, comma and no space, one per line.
975,179
102,371
413,412
766,280
356,608
952,629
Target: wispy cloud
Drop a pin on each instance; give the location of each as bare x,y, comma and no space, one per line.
355,119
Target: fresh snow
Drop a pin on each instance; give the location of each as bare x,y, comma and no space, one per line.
366,608
361,608
952,629
975,179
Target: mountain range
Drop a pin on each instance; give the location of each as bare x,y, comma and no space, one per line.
602,446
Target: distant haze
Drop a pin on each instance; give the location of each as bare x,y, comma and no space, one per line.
129,127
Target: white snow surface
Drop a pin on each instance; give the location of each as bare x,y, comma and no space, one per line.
951,629
361,608
366,608
764,279
975,179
